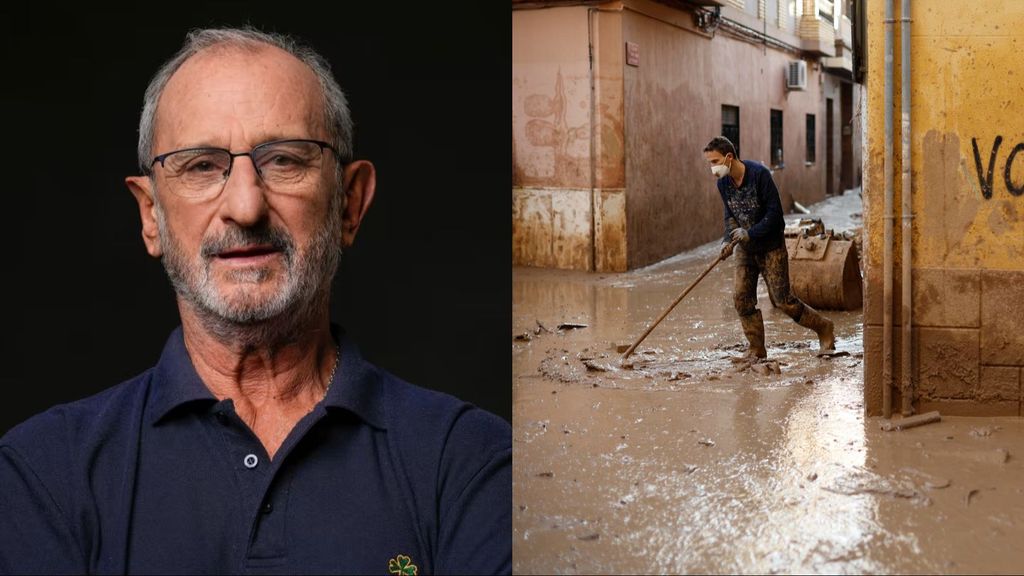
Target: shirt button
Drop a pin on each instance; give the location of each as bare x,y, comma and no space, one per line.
250,461
268,508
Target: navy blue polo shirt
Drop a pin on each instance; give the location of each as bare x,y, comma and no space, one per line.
156,475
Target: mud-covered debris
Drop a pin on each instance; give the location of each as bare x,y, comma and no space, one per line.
911,421
595,366
545,474
589,537
829,354
524,337
522,507
739,366
812,476
620,348
542,328
738,346
766,368
570,326
861,481
787,344
808,382
689,468
772,367
984,431
706,442
679,376
970,494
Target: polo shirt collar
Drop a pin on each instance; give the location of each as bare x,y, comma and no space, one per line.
356,386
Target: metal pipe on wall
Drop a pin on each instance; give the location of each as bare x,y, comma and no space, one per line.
593,142
888,216
907,388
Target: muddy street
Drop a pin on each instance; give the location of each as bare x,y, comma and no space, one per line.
686,462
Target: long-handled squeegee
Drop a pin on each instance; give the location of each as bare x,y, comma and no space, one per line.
674,304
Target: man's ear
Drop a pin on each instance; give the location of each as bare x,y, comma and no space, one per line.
359,182
142,189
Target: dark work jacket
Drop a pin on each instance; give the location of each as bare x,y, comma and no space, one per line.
754,206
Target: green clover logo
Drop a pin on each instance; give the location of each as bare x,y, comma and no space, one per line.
402,566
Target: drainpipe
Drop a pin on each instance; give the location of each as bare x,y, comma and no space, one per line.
907,391
887,264
593,141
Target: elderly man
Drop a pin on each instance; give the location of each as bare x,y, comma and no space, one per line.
261,441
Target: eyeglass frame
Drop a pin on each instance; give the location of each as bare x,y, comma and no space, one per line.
233,155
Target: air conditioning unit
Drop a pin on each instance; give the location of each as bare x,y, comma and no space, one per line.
796,75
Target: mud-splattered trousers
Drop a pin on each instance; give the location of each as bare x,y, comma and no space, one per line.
754,205
774,266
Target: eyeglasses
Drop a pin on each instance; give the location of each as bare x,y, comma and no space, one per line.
285,166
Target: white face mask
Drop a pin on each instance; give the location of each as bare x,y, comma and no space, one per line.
720,170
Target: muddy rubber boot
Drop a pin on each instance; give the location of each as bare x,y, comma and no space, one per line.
753,329
822,326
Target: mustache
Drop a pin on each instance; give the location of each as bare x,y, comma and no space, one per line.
236,237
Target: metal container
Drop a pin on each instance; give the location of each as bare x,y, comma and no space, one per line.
824,271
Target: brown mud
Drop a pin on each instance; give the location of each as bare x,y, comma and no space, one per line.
688,462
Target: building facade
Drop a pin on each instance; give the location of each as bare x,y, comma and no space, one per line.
966,135
613,102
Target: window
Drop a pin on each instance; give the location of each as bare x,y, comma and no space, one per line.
827,10
776,139
731,126
810,139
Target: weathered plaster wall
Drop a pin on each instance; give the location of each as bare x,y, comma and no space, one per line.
673,107
968,198
567,210
613,178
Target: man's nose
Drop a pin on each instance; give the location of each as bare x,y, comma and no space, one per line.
244,199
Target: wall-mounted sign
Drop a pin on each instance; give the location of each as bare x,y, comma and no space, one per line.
632,53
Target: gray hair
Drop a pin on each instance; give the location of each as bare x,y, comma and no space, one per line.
339,122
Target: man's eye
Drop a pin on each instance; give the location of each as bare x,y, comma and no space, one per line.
201,167
282,160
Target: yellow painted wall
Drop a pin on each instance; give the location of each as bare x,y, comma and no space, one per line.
967,89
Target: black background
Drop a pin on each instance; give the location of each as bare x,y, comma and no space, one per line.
426,290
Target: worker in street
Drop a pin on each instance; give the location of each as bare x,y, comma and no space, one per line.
754,225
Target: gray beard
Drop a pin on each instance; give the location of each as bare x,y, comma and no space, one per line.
247,320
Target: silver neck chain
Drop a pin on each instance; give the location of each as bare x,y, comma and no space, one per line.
330,379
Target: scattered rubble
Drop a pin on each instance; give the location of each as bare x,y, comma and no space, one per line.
984,431
570,326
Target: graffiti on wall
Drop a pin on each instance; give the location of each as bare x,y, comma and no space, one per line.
549,127
985,177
